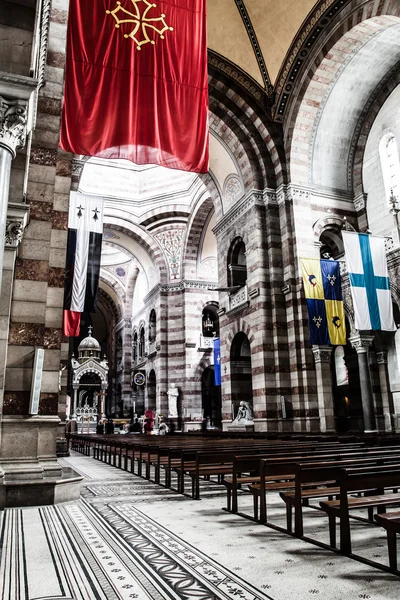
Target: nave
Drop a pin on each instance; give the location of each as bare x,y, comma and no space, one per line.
129,538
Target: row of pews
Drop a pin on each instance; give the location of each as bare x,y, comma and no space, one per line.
342,477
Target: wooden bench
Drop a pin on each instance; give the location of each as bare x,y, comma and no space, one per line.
355,480
390,522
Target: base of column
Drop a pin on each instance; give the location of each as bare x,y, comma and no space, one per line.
30,474
370,431
41,492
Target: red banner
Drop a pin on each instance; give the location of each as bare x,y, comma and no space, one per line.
136,82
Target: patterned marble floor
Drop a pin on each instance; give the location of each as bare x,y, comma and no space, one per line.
128,538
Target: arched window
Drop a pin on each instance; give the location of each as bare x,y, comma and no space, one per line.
135,347
141,343
210,321
390,163
237,265
152,326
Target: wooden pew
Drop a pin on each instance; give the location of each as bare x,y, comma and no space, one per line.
355,480
312,475
251,464
391,523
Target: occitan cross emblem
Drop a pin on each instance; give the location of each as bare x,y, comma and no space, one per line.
142,24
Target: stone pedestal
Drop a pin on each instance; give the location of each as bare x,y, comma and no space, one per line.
241,427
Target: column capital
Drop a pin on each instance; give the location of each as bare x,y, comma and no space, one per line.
382,357
322,353
17,220
361,343
13,124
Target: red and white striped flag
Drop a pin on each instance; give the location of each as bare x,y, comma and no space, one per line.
85,232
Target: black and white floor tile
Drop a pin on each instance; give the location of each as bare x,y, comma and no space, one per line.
129,538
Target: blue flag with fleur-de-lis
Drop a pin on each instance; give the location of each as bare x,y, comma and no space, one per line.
324,299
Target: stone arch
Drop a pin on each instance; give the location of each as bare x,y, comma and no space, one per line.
256,141
357,28
144,239
363,128
193,237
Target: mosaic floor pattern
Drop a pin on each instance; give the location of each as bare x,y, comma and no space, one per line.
129,538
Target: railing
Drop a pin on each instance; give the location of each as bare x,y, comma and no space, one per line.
239,298
206,342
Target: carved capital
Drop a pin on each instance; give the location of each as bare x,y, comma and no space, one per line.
17,219
382,357
13,124
361,344
322,354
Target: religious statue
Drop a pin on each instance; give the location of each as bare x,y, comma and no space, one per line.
173,394
245,412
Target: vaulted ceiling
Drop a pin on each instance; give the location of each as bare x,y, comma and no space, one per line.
236,28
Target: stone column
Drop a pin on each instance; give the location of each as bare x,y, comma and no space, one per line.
361,344
13,120
322,357
74,402
387,399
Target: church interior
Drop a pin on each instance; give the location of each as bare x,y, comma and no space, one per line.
201,329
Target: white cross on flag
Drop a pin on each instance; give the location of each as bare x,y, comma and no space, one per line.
369,281
85,232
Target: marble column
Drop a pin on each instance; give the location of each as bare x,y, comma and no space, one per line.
74,402
322,357
13,121
361,344
387,398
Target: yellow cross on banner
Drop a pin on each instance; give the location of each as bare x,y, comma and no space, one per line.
137,14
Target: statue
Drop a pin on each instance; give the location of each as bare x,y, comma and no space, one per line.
173,394
245,412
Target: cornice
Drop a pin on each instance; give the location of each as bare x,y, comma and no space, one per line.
252,198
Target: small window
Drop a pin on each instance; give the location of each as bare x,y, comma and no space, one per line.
389,155
210,321
237,264
141,343
152,326
135,347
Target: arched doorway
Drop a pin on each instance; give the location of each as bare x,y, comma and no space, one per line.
241,376
346,388
211,398
151,391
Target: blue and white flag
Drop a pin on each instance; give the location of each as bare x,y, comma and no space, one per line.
217,361
369,281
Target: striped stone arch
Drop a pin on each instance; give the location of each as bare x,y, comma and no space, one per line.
239,327
358,24
256,142
142,237
116,287
193,238
201,367
359,142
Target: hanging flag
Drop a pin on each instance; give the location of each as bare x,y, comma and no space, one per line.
85,230
323,293
217,361
136,84
369,281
